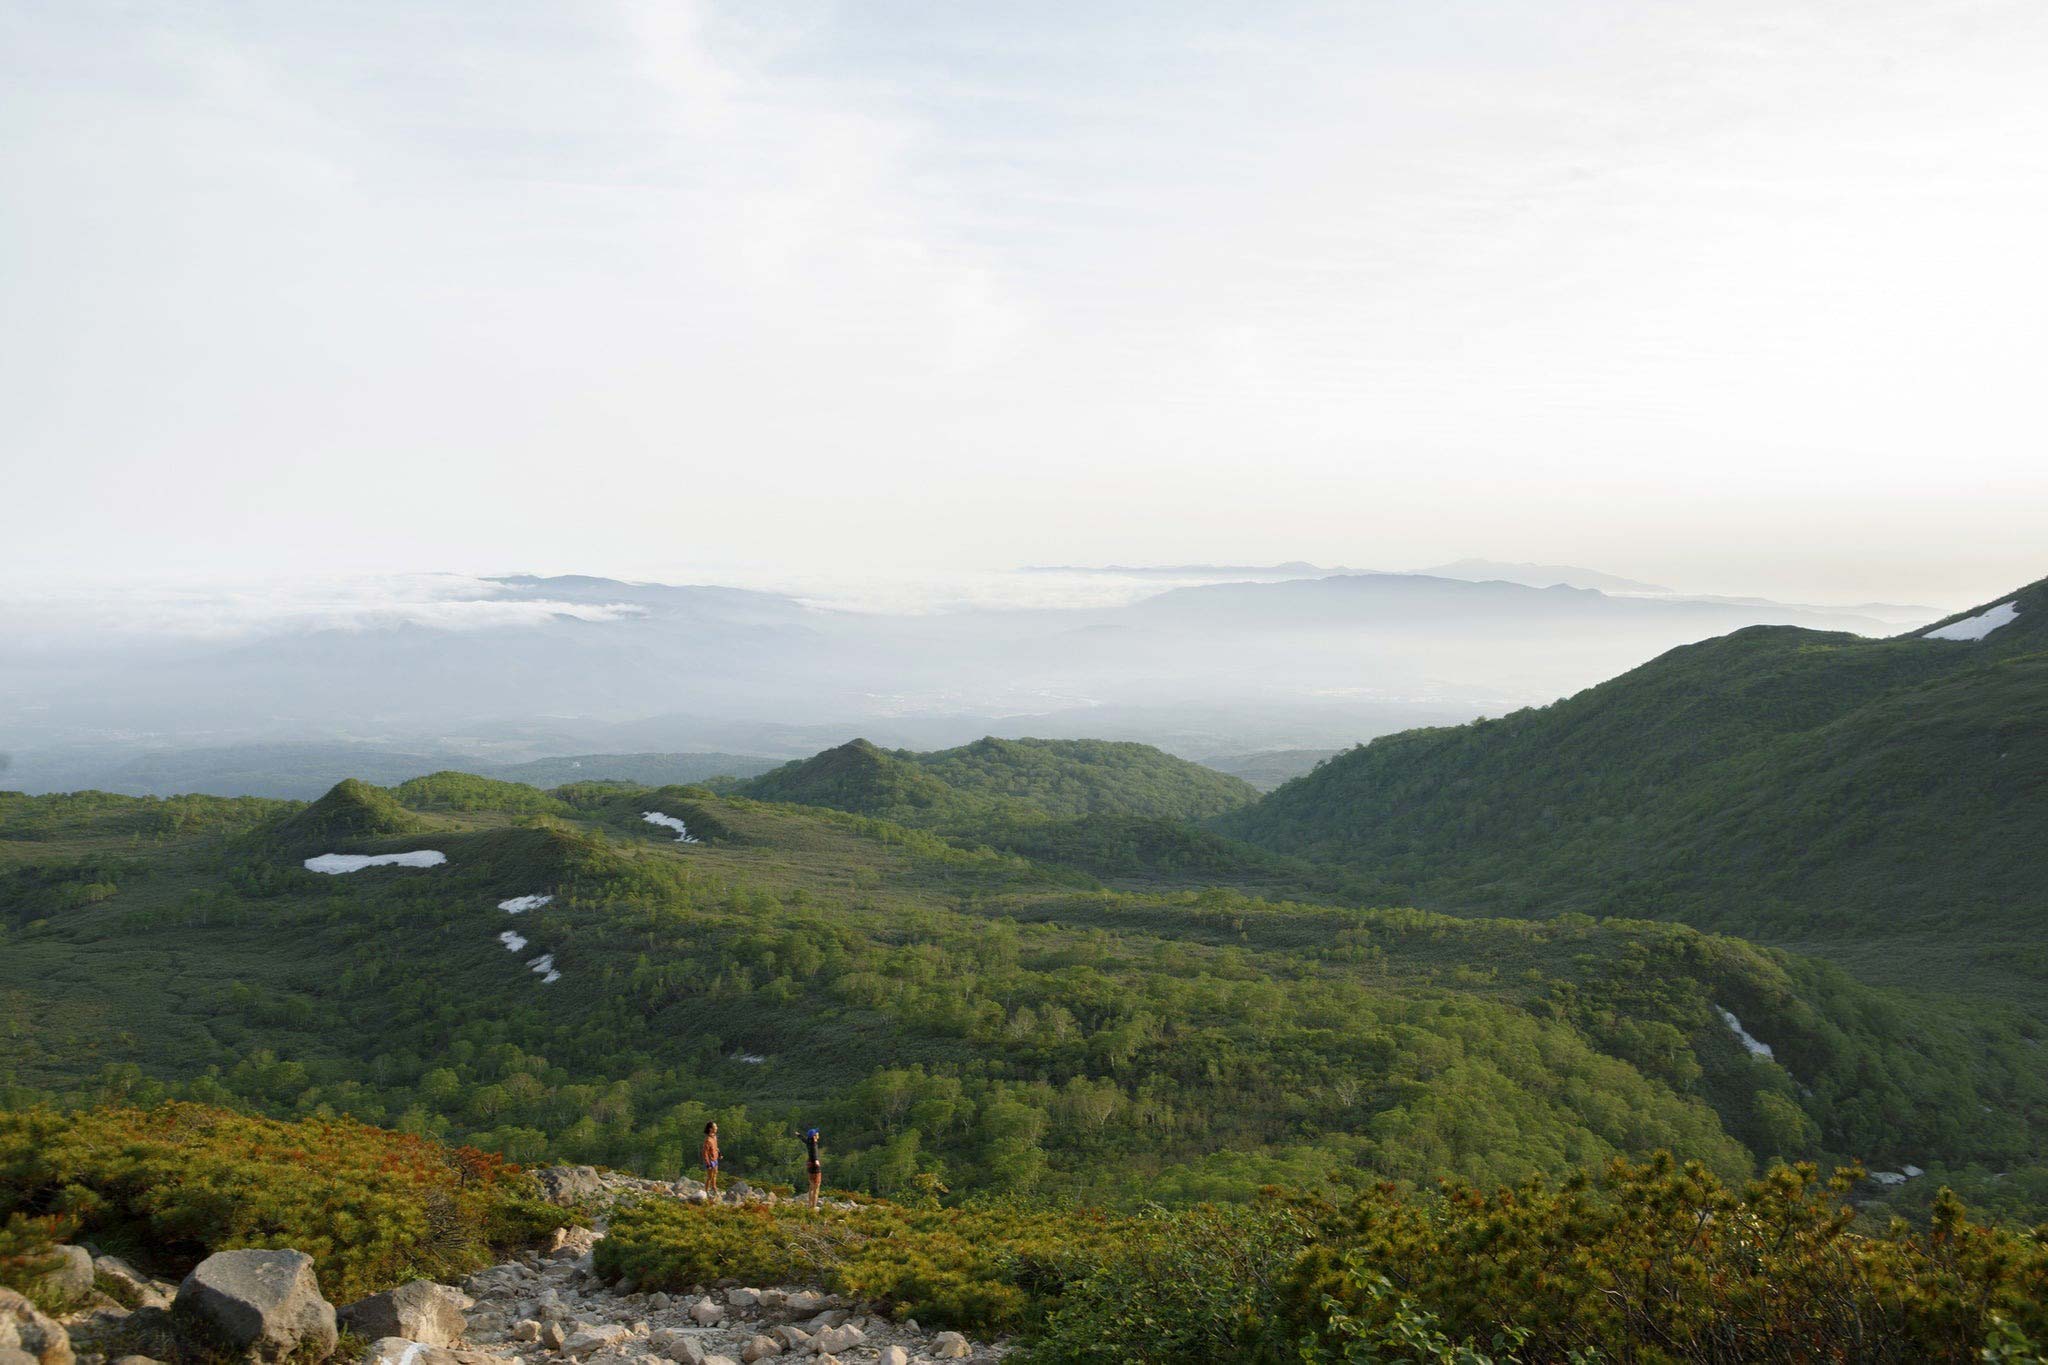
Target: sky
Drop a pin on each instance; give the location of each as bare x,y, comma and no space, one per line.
1737,296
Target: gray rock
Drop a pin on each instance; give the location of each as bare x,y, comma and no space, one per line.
742,1297
894,1355
399,1351
677,1345
760,1348
566,1185
836,1339
950,1346
420,1310
131,1286
26,1334
261,1305
70,1275
706,1312
790,1337
552,1335
591,1340
137,1360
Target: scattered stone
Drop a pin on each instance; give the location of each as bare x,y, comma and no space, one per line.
526,1329
263,1305
760,1348
790,1337
25,1333
950,1346
706,1312
552,1335
420,1310
894,1355
659,1302
137,1360
742,1297
804,1302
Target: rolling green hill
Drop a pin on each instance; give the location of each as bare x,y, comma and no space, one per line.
1807,787
1073,777
1008,780
945,1011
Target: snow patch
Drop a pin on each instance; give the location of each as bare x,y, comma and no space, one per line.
336,863
520,904
750,1058
545,966
512,940
1978,626
1888,1177
1756,1047
683,835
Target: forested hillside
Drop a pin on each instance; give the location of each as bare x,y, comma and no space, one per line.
1798,785
587,985
1014,778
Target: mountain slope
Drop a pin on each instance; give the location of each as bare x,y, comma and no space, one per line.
1778,780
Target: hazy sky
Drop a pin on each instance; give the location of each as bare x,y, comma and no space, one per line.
1734,296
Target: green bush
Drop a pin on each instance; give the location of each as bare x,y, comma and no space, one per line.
176,1183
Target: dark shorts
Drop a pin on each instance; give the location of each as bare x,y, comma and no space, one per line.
815,1167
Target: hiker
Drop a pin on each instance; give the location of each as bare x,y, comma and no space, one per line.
812,1166
711,1159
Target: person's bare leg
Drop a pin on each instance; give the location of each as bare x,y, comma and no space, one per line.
817,1179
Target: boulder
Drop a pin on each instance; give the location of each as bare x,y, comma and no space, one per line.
553,1334
677,1345
836,1339
137,1360
742,1297
566,1185
526,1329
26,1334
420,1310
804,1302
790,1337
70,1274
760,1348
723,1360
260,1305
950,1346
591,1340
894,1355
705,1312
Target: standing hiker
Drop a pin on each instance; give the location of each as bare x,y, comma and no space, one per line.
711,1159
814,1168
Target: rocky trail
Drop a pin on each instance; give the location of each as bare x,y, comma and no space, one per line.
546,1306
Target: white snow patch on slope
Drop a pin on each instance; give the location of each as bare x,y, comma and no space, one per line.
512,940
545,965
1978,626
521,904
683,835
1756,1048
750,1058
337,863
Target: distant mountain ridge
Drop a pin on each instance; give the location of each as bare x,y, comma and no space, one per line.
1538,575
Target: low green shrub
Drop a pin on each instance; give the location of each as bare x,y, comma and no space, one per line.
178,1182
